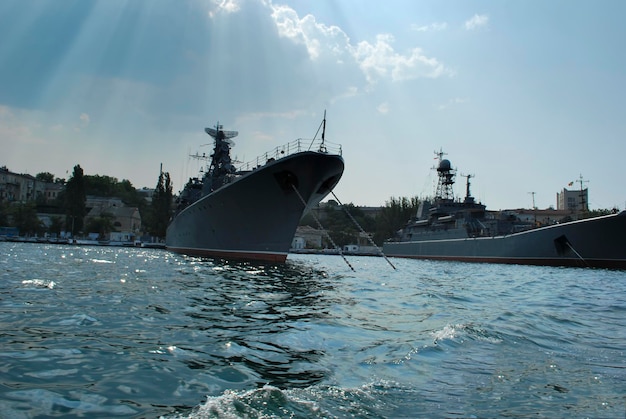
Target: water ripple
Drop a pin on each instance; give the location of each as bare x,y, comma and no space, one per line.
105,332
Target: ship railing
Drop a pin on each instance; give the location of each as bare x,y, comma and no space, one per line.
295,146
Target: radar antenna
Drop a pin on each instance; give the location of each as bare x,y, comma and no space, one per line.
468,195
322,148
446,176
583,201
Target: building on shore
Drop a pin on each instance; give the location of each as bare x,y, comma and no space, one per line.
22,188
123,218
307,237
573,200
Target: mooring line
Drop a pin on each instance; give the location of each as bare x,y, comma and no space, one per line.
577,254
319,225
380,251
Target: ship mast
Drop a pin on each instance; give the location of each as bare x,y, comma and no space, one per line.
446,176
324,129
322,148
583,202
221,164
468,196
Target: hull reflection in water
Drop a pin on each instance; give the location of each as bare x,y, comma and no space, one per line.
264,333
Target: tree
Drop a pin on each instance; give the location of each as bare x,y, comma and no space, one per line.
100,185
395,213
599,212
46,177
343,230
107,186
25,218
339,222
4,213
103,224
161,208
56,225
75,200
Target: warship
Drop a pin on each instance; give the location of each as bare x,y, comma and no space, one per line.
252,211
445,228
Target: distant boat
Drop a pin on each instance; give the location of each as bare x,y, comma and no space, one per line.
252,212
449,229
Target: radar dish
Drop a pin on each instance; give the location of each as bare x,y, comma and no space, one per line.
227,134
444,166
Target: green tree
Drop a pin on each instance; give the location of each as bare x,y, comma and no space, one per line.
46,177
107,186
103,224
25,219
599,212
56,225
342,227
161,207
395,213
4,214
131,196
337,222
100,185
75,200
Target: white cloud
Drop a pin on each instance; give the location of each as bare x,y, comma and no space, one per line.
351,91
383,108
16,129
225,6
317,37
264,115
452,102
378,60
476,22
436,26
84,122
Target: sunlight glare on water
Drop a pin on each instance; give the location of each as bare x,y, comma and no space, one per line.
130,332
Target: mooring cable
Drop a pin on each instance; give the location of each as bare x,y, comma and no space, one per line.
319,225
380,251
575,252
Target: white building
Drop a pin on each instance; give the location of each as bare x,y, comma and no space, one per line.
576,201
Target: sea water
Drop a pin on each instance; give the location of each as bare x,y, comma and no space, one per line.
130,332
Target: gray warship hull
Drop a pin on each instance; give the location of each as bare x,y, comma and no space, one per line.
594,242
255,217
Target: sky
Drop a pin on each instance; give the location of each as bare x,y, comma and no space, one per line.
525,96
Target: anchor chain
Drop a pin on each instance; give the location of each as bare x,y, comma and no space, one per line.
379,250
576,253
319,225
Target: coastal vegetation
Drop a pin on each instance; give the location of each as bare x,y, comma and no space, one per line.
160,210
344,223
68,210
74,201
